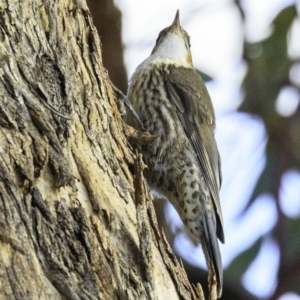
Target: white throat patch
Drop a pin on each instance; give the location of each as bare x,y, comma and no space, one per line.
171,50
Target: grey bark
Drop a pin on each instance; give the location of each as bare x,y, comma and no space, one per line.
76,215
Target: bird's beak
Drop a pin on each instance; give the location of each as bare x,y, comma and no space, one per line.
176,22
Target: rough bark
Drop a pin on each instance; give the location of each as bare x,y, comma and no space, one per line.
76,216
107,19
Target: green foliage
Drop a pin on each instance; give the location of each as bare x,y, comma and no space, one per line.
242,261
268,72
268,68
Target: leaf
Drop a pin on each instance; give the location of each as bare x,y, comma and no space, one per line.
268,68
241,263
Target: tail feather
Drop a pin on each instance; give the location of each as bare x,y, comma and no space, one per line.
211,250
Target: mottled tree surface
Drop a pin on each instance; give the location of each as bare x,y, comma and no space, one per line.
75,222
107,18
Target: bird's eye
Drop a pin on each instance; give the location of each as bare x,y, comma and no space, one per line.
158,40
189,41
161,36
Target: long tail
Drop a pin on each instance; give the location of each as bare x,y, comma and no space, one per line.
211,250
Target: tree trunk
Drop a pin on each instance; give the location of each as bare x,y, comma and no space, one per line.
76,216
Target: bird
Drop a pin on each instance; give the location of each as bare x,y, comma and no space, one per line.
184,164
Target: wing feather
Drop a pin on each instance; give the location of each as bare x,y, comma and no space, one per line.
187,91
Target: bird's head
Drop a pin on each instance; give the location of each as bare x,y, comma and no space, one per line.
173,44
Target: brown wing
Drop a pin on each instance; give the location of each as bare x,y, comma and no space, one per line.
189,95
